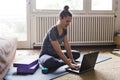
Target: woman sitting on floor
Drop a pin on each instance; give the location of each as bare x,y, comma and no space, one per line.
51,55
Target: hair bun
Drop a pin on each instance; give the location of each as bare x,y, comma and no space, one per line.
66,8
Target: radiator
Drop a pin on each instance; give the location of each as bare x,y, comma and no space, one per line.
83,30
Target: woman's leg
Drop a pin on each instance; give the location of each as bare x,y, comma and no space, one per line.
50,62
75,53
53,63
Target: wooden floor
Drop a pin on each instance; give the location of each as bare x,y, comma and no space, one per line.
22,53
108,70
79,48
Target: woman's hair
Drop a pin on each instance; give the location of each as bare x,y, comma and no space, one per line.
65,12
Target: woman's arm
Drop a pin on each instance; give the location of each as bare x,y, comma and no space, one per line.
57,48
68,49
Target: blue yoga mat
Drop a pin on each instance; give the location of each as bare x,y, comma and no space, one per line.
99,59
11,75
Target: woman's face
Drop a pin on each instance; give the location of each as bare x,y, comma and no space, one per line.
65,21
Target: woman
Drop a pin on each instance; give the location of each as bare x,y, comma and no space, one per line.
51,55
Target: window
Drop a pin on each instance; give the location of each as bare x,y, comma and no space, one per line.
13,19
58,4
96,5
101,5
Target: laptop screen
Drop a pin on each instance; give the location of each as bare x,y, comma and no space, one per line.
89,61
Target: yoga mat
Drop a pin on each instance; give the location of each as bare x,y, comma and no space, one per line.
102,58
11,75
99,58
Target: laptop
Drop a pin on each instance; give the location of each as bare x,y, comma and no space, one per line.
88,63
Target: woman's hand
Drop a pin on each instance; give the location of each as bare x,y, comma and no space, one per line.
72,61
73,64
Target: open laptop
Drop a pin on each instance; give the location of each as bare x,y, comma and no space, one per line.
88,63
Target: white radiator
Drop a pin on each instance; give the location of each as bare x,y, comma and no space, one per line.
83,30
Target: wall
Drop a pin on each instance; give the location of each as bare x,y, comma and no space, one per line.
117,21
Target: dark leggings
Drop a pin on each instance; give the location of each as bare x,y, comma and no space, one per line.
51,62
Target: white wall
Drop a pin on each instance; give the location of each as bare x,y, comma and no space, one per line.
117,22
